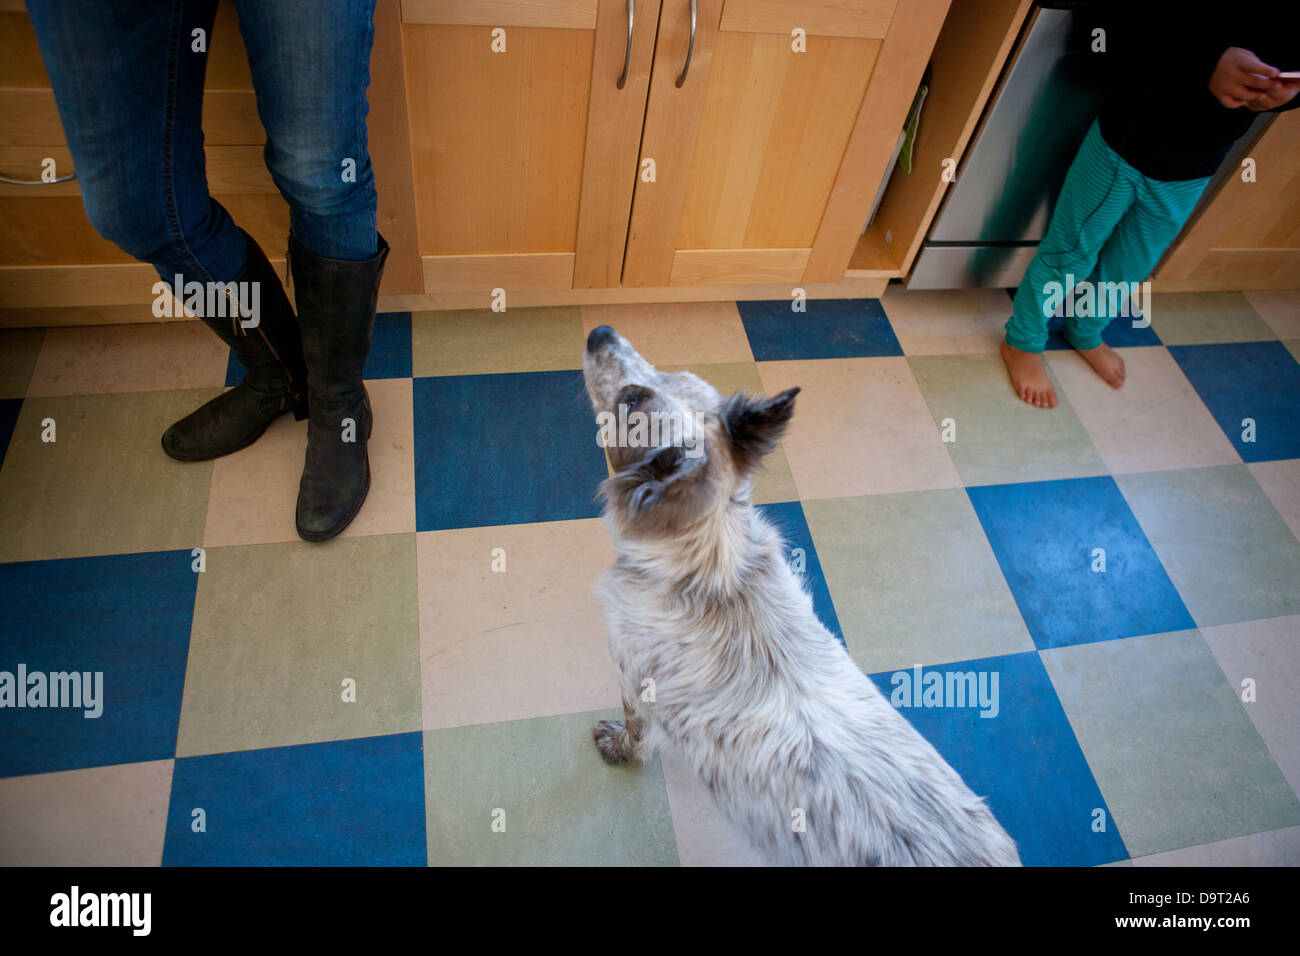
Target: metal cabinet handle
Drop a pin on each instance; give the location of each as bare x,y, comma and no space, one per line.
627,57
690,49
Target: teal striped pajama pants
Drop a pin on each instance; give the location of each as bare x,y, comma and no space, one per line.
1110,224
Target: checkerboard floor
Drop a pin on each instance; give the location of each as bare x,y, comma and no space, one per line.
421,690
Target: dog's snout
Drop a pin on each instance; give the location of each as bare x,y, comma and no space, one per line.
601,335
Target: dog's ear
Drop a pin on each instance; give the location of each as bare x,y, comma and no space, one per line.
653,478
663,477
754,425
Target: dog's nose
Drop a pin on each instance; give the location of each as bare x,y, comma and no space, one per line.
600,335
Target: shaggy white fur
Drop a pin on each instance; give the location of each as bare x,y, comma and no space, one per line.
720,652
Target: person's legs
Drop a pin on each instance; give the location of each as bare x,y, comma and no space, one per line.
130,95
128,81
310,62
1097,192
1158,214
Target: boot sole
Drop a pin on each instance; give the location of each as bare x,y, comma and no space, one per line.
347,520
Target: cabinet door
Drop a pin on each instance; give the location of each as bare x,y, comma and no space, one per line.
1248,236
523,140
775,140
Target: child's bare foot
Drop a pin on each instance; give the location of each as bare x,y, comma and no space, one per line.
1029,376
1107,363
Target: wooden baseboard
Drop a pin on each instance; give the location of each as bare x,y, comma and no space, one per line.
870,288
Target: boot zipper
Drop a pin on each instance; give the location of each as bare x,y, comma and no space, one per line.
235,327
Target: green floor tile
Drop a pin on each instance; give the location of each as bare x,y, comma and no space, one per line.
1171,747
999,438
1220,539
481,342
914,580
279,628
773,482
104,486
19,349
1200,318
561,804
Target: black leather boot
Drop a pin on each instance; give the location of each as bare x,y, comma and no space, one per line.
336,308
276,381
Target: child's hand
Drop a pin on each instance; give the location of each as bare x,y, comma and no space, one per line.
1283,93
1241,79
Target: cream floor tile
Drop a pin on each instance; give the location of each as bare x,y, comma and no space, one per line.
101,816
255,491
1155,422
1266,652
529,641
677,333
948,321
861,426
1270,848
705,835
1279,308
100,359
1281,482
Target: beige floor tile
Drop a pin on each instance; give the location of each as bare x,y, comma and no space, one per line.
103,816
255,491
678,333
944,322
1279,308
483,342
861,427
526,642
99,359
1155,422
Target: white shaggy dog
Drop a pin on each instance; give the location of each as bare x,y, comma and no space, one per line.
720,653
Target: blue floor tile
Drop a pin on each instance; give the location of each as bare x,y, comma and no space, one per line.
9,409
789,519
1255,380
390,350
1025,760
344,803
126,616
504,449
1043,535
831,328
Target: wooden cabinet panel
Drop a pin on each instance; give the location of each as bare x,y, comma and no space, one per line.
1248,236
528,152
766,158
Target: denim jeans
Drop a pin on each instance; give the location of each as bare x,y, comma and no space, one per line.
129,88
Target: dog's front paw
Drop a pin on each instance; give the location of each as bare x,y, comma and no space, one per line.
612,741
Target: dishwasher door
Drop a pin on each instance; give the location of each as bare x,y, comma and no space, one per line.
997,210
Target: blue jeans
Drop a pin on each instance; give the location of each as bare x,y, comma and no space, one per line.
129,88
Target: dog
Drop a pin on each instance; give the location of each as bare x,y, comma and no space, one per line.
720,654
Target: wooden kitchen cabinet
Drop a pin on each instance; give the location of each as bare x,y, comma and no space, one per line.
1248,235
508,154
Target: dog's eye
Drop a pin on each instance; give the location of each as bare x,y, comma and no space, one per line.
631,398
